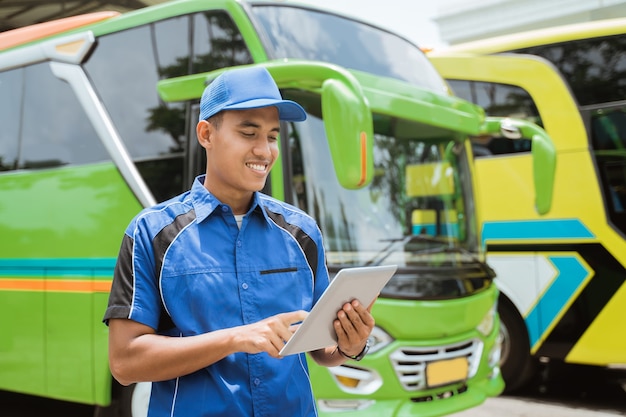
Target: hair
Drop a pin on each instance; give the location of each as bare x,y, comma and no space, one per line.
216,120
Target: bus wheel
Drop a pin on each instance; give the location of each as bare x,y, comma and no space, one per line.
516,363
130,401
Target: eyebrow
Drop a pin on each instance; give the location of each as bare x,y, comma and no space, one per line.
248,123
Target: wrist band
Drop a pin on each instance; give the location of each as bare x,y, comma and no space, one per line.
360,355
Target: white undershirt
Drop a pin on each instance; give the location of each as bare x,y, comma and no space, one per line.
239,219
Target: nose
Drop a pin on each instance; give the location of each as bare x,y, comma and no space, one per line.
264,148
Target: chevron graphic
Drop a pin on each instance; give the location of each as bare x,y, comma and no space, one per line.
571,277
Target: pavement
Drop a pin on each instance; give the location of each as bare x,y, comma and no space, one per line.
519,407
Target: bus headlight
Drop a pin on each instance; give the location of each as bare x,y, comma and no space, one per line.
378,339
355,379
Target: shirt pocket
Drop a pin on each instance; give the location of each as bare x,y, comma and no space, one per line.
285,288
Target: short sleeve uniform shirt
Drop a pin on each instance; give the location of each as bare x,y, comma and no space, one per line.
186,268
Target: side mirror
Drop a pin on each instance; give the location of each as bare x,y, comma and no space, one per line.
348,124
346,112
543,154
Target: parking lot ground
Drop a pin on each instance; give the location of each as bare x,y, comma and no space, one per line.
530,407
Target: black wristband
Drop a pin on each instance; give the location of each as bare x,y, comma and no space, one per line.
360,355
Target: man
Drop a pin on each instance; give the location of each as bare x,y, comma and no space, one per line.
208,285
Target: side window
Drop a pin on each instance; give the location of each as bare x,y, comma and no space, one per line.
217,43
499,100
608,129
54,128
125,69
593,67
608,139
11,84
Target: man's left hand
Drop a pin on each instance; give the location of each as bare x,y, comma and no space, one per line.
353,326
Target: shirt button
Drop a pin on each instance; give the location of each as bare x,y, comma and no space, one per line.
224,209
257,381
239,243
244,286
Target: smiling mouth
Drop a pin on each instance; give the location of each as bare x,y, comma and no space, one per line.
257,167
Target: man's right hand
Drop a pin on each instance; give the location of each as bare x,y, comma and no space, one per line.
271,334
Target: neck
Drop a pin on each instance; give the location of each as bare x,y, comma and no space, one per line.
239,202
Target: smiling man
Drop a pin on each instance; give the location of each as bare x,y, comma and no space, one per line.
208,285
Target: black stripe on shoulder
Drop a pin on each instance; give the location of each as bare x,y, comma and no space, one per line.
308,245
160,244
166,236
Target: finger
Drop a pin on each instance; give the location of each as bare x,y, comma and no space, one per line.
364,315
275,347
347,326
342,337
354,311
293,317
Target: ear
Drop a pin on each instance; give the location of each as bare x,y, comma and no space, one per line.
204,132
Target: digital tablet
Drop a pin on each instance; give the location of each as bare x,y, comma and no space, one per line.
317,331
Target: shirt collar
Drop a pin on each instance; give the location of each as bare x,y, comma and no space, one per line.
205,203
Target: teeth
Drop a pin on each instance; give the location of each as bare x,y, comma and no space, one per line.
257,167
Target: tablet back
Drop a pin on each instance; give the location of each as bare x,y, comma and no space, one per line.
317,331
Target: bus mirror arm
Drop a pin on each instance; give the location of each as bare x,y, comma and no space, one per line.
543,153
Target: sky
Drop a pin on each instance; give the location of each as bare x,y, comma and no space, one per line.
409,18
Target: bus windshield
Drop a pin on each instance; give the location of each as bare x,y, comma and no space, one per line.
302,33
416,213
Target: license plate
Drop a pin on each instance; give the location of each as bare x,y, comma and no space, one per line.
447,371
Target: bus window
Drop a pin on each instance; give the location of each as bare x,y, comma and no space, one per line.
499,100
153,131
608,129
608,139
591,66
54,130
11,84
425,211
217,43
370,49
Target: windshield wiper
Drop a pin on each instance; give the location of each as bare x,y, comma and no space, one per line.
421,238
444,246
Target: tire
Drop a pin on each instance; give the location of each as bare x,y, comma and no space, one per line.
516,363
128,401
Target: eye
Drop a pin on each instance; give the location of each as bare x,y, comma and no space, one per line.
248,134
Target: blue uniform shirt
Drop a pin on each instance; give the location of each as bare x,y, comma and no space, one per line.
186,268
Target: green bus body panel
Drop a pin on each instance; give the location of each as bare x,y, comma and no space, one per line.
75,219
446,318
83,210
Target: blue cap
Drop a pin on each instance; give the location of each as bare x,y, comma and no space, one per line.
247,88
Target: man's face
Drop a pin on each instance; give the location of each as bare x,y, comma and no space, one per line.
241,151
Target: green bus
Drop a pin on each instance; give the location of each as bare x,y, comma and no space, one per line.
97,116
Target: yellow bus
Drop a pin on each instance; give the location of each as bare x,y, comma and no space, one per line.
560,268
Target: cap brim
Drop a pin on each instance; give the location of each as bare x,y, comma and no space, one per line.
288,110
